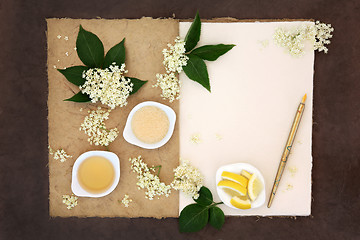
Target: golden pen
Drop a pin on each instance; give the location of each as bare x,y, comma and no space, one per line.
287,149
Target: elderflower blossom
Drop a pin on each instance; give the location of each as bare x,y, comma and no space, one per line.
59,154
323,34
195,139
70,201
293,170
109,86
170,86
126,200
293,40
289,187
188,179
174,60
147,180
95,128
174,57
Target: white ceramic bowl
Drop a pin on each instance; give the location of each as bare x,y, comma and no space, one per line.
75,185
236,168
130,137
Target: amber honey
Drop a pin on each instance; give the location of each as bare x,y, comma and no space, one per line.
96,174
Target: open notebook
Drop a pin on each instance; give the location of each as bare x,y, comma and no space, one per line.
256,89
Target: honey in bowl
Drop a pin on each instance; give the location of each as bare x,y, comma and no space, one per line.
150,124
96,174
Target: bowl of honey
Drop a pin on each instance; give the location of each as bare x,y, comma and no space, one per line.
95,174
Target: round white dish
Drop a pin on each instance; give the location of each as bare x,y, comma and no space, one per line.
75,185
236,168
132,139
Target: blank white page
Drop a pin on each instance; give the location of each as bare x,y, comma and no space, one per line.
255,90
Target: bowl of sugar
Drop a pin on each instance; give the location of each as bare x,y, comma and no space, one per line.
150,125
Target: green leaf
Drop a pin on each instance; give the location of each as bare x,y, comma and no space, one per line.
115,54
193,218
137,84
74,74
89,49
216,217
193,34
205,197
79,97
196,70
212,52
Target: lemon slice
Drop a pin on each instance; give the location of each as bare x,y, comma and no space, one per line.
232,193
246,174
240,202
233,186
235,177
254,187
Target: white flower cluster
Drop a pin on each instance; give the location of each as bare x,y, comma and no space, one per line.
126,200
95,128
70,201
147,180
293,170
323,34
195,139
109,86
293,40
170,85
59,154
188,179
174,60
174,57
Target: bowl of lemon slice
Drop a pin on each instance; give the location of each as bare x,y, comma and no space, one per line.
240,186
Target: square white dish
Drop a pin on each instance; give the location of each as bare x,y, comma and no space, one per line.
75,185
130,137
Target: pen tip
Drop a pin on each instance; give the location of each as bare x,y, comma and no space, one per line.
303,99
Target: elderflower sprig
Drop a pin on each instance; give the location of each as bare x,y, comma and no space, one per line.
174,60
195,138
147,180
293,40
109,85
101,78
94,126
174,57
70,201
59,154
126,200
323,34
188,179
183,56
170,86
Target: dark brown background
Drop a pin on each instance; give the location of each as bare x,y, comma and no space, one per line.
24,202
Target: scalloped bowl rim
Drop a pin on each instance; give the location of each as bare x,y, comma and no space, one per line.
75,185
130,137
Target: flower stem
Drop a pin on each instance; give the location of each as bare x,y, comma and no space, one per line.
103,128
158,166
214,204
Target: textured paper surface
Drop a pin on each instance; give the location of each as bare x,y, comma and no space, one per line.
145,39
256,89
